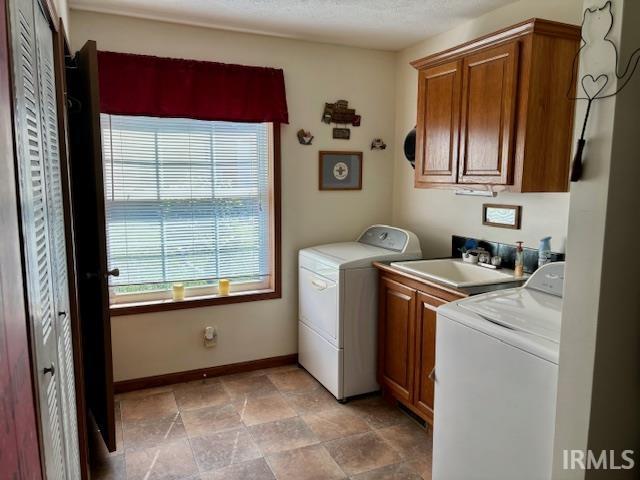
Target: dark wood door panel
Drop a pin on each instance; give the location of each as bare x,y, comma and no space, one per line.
438,124
396,334
425,352
91,239
489,81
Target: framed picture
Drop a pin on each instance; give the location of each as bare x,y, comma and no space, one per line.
503,216
340,171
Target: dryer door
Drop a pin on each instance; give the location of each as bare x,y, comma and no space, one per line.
319,305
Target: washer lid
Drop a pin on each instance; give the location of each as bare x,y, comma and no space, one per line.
378,243
349,254
500,315
520,309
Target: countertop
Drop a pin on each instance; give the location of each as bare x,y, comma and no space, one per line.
462,291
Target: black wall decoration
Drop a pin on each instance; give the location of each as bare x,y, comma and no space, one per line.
410,147
340,113
597,24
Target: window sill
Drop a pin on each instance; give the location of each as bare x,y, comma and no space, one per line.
194,302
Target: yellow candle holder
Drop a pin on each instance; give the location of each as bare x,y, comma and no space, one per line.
178,291
223,286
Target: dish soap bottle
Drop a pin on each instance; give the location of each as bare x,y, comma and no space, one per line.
544,251
519,269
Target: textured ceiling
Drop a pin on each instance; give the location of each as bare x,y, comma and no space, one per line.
381,24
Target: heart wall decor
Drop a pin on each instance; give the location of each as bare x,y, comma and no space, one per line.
599,51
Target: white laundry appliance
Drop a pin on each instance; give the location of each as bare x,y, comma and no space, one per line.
338,305
496,372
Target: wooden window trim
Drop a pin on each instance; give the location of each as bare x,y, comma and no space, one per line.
271,293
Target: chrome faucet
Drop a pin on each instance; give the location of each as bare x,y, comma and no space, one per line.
486,260
484,257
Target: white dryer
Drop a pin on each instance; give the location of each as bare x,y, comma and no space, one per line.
496,373
338,305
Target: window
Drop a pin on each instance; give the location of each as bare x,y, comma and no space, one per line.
188,201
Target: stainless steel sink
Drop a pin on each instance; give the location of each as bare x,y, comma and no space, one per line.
455,272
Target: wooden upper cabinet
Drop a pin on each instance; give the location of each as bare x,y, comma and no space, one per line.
498,111
438,124
396,338
488,115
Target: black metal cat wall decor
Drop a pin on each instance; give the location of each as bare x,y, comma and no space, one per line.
600,53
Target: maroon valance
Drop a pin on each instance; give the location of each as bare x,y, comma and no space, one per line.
170,87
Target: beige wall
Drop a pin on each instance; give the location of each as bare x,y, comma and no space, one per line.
160,343
615,398
63,11
598,390
382,86
436,214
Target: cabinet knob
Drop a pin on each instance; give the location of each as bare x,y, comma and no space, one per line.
51,370
432,375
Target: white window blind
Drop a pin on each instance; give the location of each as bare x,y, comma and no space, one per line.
186,201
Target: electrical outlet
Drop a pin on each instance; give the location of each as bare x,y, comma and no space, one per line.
210,337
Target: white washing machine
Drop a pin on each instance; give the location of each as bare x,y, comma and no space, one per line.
338,305
496,372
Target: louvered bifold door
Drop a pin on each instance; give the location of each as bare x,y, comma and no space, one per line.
49,123
38,166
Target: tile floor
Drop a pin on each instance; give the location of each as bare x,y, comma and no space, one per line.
278,423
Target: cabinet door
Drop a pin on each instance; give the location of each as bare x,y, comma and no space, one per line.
489,81
425,352
438,124
396,342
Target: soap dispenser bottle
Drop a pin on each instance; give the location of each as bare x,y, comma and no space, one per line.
519,268
544,251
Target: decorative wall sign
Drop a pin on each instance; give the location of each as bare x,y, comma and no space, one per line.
597,24
340,113
304,137
378,144
342,133
503,216
340,171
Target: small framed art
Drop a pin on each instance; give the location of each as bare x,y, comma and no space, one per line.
340,171
502,216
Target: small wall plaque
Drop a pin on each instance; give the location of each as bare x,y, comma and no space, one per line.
340,171
342,133
502,216
340,113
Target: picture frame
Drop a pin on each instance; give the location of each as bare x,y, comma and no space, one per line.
502,216
339,170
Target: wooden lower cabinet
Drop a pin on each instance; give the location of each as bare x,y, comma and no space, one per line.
396,338
407,341
425,353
